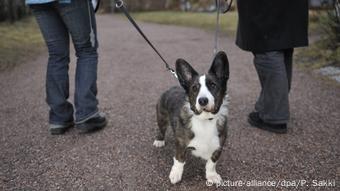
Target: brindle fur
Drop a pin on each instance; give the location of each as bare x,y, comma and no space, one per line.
176,106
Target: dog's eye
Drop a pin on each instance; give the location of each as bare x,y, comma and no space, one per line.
195,88
212,85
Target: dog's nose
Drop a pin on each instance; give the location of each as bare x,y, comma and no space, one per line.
203,101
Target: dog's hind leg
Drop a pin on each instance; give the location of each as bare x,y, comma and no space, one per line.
163,123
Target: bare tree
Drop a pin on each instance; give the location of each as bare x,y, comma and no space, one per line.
106,6
12,10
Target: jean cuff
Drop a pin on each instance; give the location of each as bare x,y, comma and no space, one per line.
96,113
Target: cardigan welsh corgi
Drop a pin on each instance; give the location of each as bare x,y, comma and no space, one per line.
197,113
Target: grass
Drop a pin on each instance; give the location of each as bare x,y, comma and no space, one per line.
317,55
314,56
205,21
23,40
19,41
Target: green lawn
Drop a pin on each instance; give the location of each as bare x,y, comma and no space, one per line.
18,42
200,20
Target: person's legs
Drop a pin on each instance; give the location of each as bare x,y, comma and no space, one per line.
77,16
272,105
80,19
57,80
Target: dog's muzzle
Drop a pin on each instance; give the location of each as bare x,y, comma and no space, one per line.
205,105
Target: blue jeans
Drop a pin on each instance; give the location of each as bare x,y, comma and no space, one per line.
57,23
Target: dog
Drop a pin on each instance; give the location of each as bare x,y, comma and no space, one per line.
197,112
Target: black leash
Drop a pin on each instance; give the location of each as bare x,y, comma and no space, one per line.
120,5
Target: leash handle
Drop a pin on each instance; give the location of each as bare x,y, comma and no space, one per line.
120,5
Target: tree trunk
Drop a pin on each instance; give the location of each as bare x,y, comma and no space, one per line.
12,10
106,6
2,10
173,4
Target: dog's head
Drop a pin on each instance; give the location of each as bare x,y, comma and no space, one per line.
205,92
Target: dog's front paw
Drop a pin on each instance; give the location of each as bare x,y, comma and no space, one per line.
176,171
214,178
175,175
158,143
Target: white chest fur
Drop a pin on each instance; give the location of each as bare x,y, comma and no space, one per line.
206,139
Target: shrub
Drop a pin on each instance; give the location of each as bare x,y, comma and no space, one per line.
330,40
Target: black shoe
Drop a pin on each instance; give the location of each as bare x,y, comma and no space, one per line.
93,124
255,121
59,129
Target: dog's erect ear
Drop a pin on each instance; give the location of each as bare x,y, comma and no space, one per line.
220,66
186,74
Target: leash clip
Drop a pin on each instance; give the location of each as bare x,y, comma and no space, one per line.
173,73
119,4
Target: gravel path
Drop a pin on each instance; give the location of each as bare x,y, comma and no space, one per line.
131,78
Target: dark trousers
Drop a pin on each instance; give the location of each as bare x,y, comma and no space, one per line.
57,23
275,73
